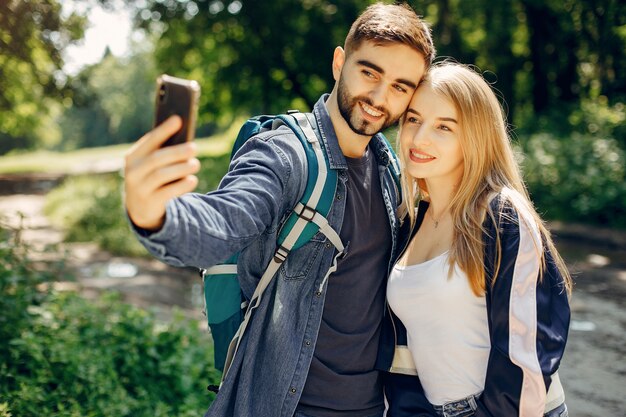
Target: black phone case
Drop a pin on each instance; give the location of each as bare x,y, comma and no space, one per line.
177,96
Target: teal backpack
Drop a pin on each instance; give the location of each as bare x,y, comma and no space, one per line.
227,311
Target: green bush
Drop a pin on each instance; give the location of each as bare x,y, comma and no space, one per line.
212,169
18,283
577,178
573,161
600,119
106,358
89,209
62,355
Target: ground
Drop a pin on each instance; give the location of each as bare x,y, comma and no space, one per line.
593,371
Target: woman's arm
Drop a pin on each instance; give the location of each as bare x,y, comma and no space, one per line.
405,396
528,316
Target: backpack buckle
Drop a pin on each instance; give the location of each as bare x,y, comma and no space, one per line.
281,254
307,213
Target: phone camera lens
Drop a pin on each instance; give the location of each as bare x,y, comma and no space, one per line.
162,93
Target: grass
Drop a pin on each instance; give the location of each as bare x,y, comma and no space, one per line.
102,159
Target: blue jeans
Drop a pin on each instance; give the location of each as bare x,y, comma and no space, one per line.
467,407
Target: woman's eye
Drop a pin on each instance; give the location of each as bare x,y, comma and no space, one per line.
414,120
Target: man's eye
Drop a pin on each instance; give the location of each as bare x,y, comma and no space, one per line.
400,88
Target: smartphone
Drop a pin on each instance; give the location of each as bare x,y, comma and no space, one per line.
177,96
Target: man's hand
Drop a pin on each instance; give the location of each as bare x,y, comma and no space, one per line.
154,175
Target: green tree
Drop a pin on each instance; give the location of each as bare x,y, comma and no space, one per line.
248,56
554,66
545,57
32,36
112,102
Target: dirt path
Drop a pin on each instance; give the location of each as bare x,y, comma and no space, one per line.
147,283
593,371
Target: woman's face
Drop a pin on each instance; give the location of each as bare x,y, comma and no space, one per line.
430,137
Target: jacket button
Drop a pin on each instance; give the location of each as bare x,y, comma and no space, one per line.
318,293
292,390
307,342
328,245
338,197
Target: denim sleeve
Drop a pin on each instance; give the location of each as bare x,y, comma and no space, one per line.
263,181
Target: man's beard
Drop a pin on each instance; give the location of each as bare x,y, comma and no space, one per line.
348,110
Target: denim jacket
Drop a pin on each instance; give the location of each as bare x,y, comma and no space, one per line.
265,181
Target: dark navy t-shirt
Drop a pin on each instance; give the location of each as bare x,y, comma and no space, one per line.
342,380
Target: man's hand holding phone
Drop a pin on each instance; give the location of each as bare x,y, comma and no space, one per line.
157,168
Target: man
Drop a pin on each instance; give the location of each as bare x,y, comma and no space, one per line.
312,343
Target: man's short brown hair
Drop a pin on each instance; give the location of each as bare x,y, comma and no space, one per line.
391,23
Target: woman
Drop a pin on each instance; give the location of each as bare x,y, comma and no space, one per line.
480,288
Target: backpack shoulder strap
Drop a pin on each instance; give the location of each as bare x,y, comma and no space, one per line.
319,194
306,219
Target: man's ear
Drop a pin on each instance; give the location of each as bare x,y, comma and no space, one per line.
339,58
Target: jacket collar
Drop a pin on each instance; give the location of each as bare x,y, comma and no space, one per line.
408,231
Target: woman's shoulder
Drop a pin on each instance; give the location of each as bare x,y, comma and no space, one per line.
510,202
512,211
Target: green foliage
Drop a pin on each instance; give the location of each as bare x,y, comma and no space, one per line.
249,57
574,163
18,281
541,55
89,209
63,355
112,103
79,357
212,170
600,119
32,36
579,178
556,65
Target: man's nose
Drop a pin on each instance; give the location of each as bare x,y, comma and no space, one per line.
379,95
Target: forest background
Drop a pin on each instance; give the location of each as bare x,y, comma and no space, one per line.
557,65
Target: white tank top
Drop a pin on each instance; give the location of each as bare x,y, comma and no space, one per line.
448,333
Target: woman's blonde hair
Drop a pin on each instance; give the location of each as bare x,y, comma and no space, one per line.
489,166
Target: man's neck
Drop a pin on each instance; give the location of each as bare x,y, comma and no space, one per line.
352,145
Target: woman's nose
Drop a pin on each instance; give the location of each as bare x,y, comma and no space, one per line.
420,137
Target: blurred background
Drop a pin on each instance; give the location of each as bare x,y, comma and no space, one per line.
90,325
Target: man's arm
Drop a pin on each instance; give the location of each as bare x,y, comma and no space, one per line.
264,181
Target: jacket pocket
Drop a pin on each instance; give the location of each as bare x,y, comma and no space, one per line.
300,261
